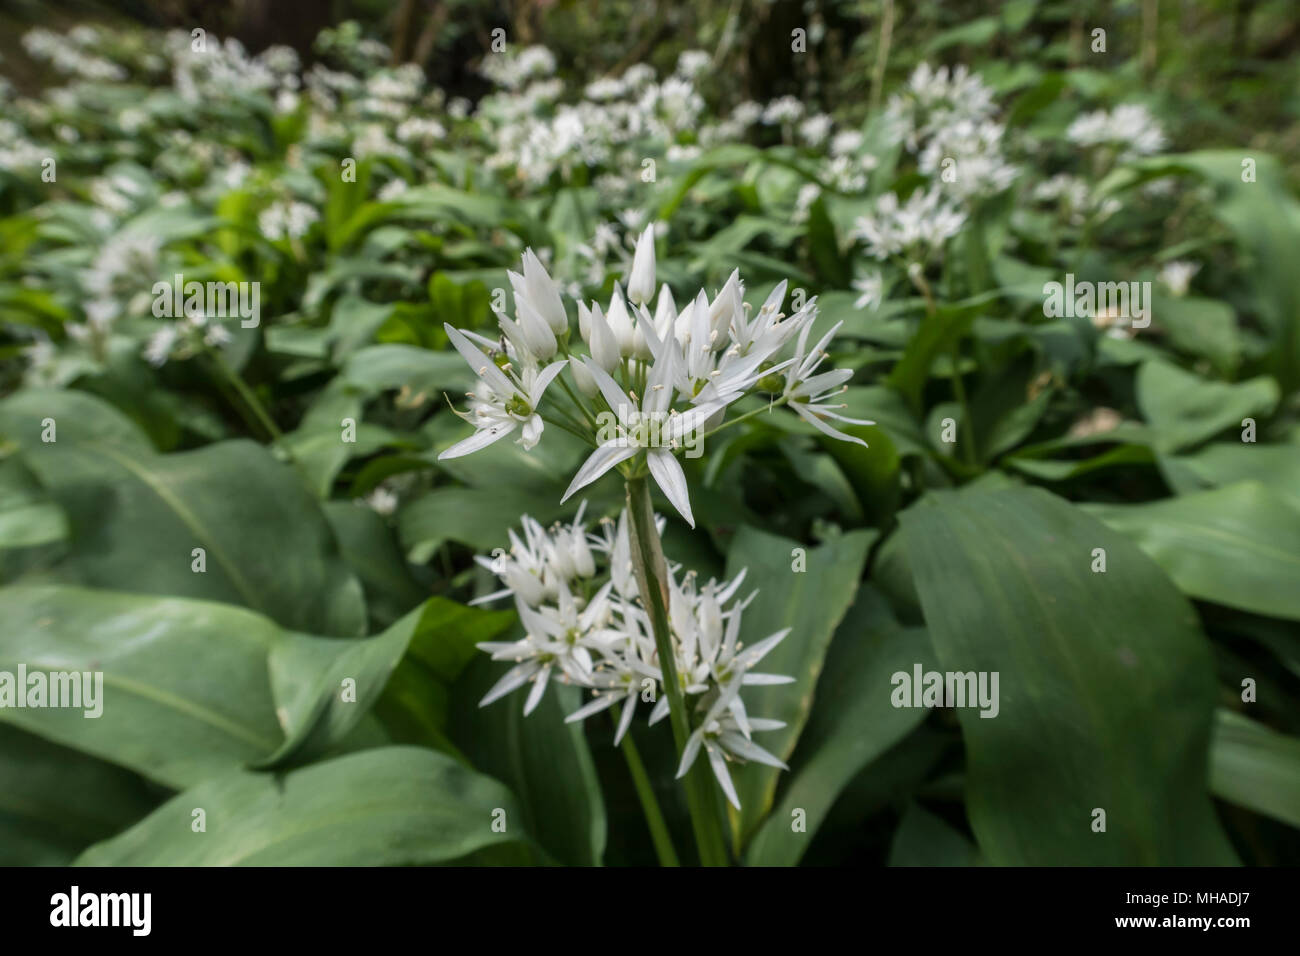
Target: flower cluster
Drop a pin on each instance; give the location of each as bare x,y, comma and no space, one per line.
649,384
584,624
184,338
1130,129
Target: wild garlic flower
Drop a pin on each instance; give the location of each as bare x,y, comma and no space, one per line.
870,289
936,100
286,219
184,339
583,624
1176,276
914,230
967,158
1130,128
650,386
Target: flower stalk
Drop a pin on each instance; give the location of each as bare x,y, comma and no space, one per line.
652,576
654,816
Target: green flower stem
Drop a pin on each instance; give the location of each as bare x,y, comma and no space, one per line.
246,395
958,386
652,575
959,389
882,53
740,418
553,418
654,817
573,397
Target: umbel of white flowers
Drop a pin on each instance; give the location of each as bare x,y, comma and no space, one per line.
577,598
657,381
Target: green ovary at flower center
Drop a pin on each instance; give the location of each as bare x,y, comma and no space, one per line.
519,407
774,383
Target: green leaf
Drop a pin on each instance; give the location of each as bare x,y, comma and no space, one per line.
377,368
1277,467
185,687
27,516
824,248
810,602
1265,217
852,723
266,544
1083,658
1255,767
370,549
1184,409
263,696
923,839
55,802
394,806
1205,328
935,334
1238,545
540,757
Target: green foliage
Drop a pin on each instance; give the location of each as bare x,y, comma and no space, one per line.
250,534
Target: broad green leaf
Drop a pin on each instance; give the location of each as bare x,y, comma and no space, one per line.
1083,658
1205,328
262,696
1265,216
935,335
370,548
809,590
136,517
1255,767
324,687
27,515
923,839
1238,545
543,760
395,806
55,802
185,686
1184,409
1277,467
376,368
852,723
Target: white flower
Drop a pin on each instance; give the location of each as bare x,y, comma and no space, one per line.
538,290
692,63
807,390
650,425
503,403
382,501
391,190
747,113
723,738
786,109
845,142
1177,275
1131,127
286,219
216,335
917,228
641,283
815,129
159,347
872,289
